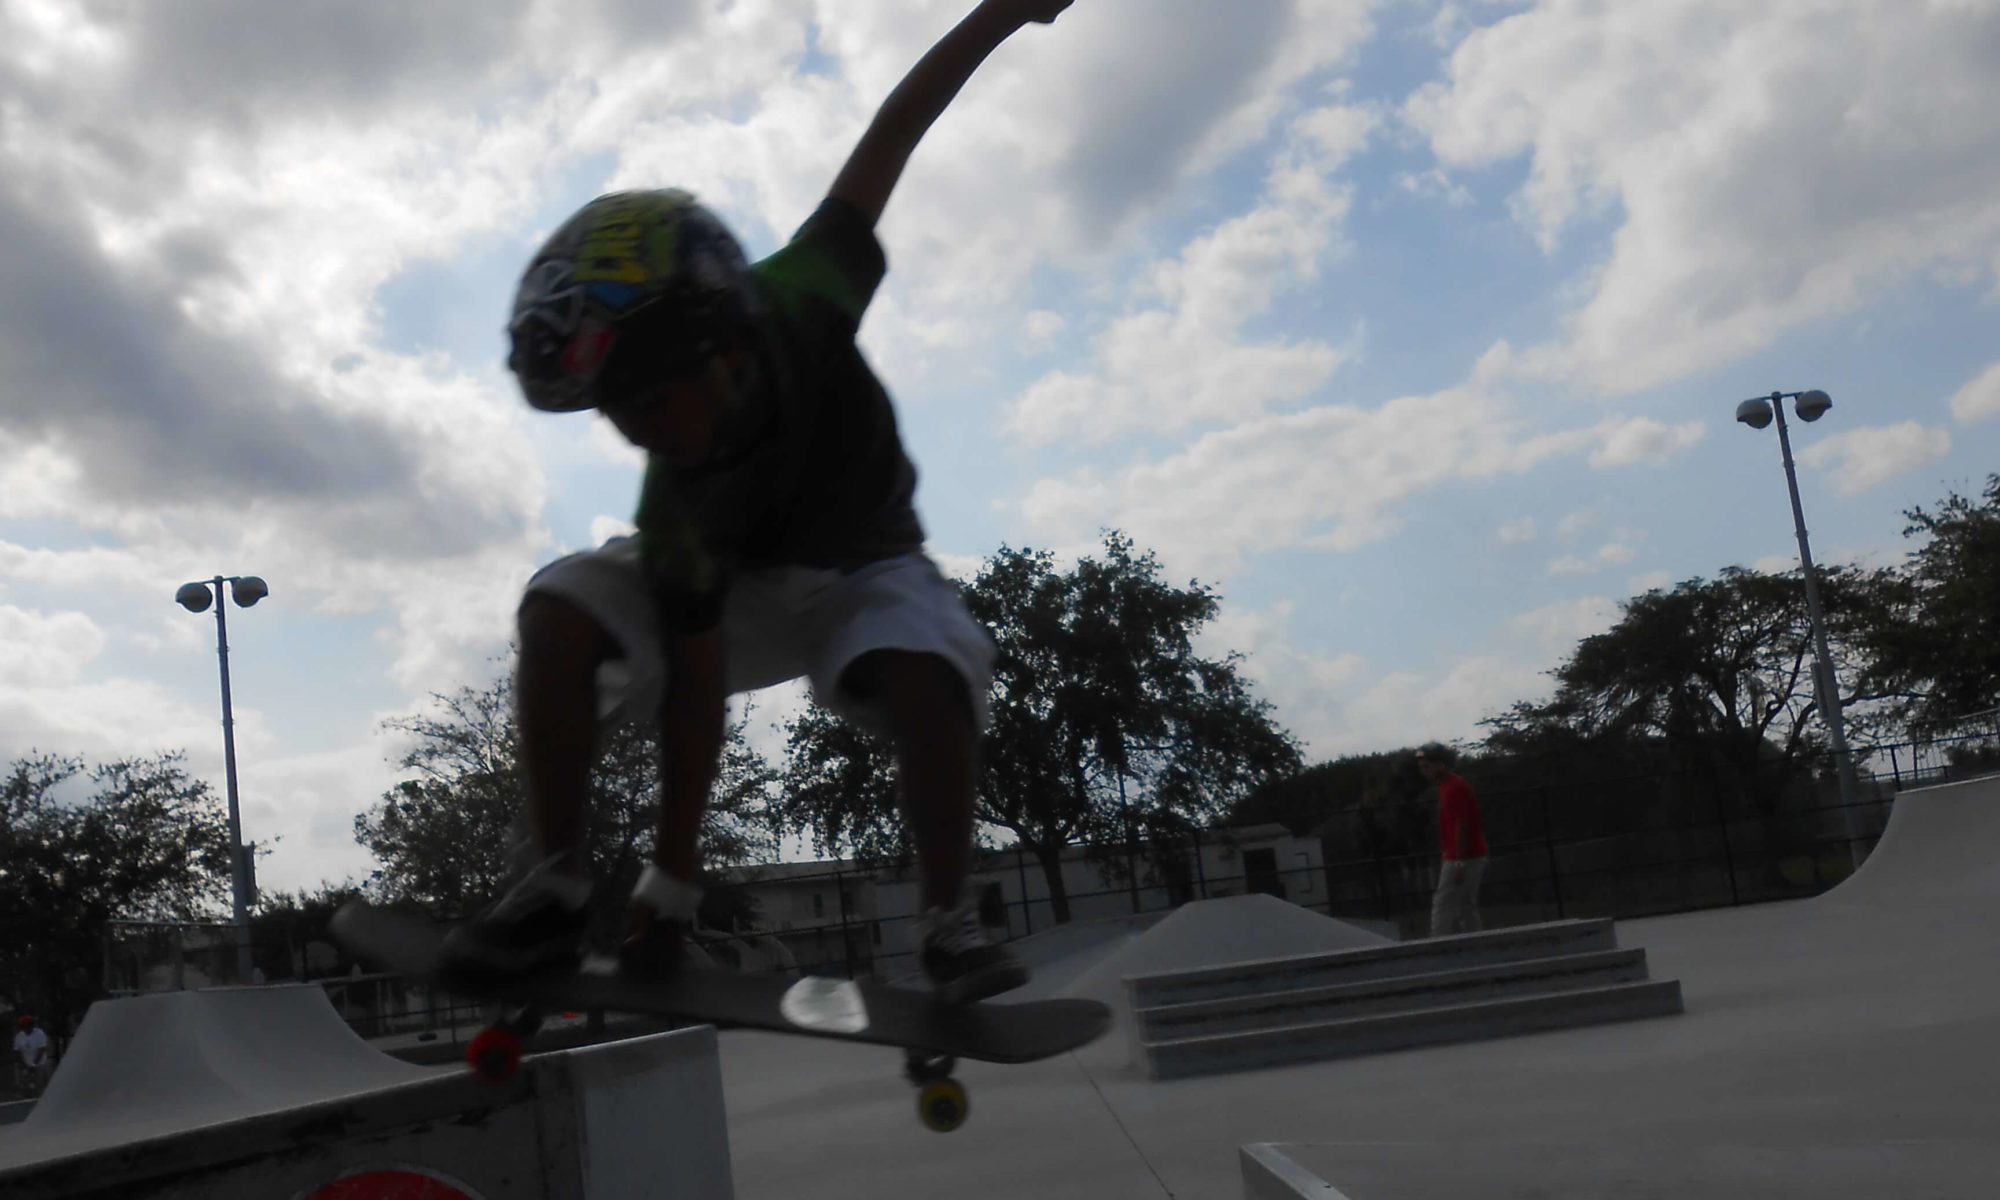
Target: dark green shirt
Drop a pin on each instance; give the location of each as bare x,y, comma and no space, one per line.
809,470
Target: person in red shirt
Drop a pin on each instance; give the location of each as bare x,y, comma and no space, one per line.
1455,908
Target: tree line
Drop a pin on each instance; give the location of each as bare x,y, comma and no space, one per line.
1704,692
1110,726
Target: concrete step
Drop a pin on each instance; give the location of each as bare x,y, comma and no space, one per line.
1493,947
1313,1041
1404,993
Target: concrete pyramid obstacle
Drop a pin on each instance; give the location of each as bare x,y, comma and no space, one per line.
1206,933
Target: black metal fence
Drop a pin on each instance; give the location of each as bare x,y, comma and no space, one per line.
1620,847
1634,846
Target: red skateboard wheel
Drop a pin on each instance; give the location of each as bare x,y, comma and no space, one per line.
494,1055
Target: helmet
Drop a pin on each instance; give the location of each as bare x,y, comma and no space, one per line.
636,285
26,1021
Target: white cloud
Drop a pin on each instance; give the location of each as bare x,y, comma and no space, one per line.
1329,478
1556,628
1651,580
1861,459
1516,532
1407,708
962,567
301,808
1619,550
1435,184
104,718
1165,368
1576,522
1767,166
1353,704
35,481
1978,400
140,571
1040,328
39,649
603,528
1636,440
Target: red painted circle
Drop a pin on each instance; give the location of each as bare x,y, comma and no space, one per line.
395,1183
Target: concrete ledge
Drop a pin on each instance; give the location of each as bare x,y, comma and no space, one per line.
1488,948
1269,1175
1397,1031
1404,993
1914,1169
573,1125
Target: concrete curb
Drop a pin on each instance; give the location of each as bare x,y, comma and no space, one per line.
1268,1174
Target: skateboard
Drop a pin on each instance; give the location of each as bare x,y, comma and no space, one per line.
933,1035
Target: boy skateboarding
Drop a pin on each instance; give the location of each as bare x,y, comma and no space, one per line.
776,539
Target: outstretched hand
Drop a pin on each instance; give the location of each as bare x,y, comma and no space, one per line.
1040,12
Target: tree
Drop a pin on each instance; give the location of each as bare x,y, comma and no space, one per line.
289,931
452,835
1718,671
80,845
1374,795
1106,724
1941,656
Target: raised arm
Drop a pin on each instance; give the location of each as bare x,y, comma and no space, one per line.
876,163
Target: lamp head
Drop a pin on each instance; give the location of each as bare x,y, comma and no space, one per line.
194,597
1812,405
1755,413
248,590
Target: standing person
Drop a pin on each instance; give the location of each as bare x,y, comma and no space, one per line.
777,538
31,1056
1455,908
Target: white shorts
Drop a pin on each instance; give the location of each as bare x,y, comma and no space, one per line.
779,624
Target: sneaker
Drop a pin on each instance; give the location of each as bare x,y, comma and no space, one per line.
964,964
537,927
665,908
655,953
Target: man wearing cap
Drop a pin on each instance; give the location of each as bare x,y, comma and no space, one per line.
31,1055
1455,908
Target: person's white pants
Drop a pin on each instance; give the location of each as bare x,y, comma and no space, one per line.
1455,908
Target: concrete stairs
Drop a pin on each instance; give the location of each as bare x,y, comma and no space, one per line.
1470,986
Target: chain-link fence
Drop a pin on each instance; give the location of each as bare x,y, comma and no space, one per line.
1615,846
1621,847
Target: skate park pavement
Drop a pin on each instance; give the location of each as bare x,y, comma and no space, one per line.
1835,1047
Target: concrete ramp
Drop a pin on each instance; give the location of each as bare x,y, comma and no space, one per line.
262,1092
1939,846
218,1054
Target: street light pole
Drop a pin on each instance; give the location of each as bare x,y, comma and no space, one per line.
194,597
1826,684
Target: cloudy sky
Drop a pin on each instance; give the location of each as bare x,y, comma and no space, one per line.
1415,327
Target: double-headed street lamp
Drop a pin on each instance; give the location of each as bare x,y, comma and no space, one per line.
1757,412
196,597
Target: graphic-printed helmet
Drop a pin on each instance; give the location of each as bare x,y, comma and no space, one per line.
636,286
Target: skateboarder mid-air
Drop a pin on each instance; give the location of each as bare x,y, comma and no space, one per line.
776,539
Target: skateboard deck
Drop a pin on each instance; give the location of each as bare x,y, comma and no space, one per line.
859,1010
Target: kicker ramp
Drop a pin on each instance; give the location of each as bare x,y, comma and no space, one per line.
265,1092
